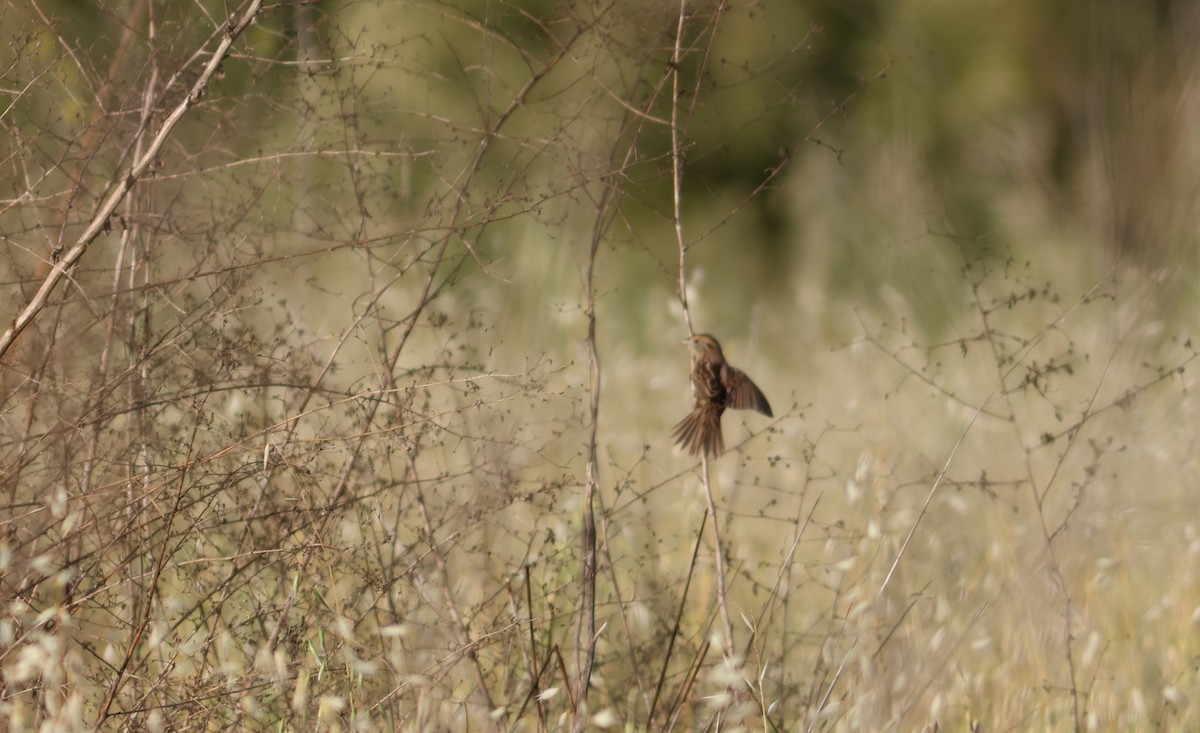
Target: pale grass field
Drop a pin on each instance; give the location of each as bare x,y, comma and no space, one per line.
985,621
1083,438
1048,585
1049,582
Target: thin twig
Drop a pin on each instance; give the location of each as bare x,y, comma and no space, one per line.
677,626
59,269
681,242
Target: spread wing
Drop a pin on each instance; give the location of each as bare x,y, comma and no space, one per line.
743,393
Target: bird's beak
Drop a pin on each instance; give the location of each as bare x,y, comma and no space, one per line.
686,341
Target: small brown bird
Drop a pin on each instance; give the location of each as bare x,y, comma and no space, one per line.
717,386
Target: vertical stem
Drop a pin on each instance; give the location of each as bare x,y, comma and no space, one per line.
677,171
585,637
677,198
719,552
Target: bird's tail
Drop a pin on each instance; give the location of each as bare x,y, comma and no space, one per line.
700,431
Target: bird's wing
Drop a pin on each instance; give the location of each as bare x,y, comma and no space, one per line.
743,393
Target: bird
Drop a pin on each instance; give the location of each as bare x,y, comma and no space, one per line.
716,386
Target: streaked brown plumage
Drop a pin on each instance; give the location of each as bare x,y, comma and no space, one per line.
717,386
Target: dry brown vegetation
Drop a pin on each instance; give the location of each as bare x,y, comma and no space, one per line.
342,356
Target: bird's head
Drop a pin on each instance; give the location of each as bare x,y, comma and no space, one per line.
703,344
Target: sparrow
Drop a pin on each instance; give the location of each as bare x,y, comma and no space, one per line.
717,386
